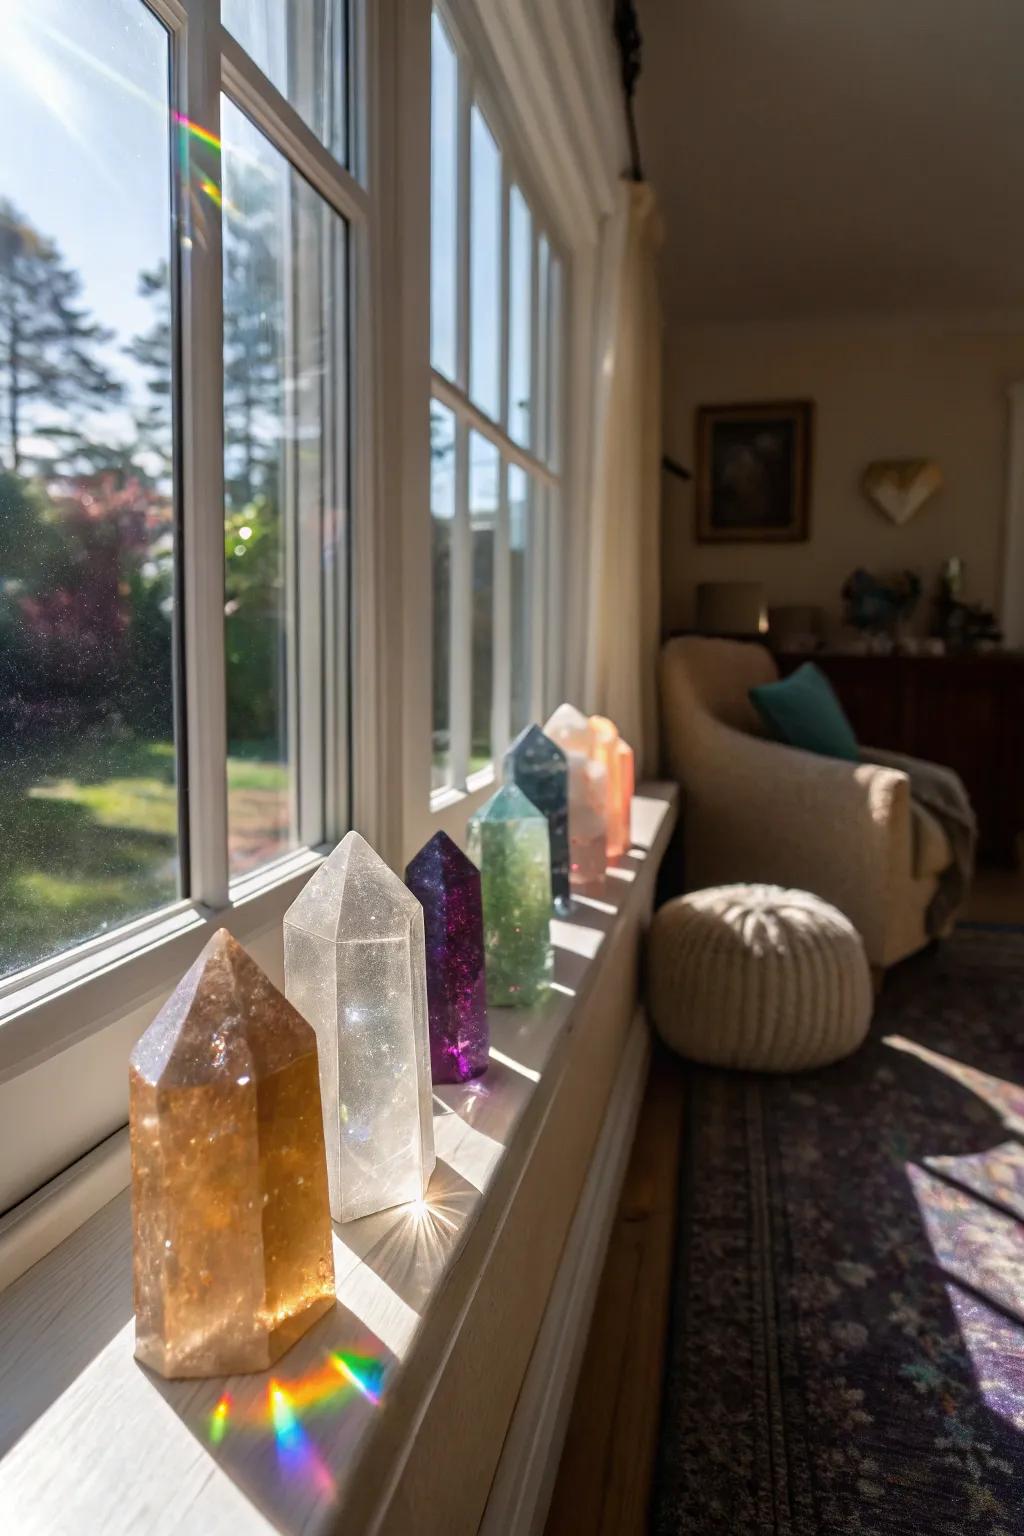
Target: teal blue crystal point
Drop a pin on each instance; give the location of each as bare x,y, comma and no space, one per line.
508,840
539,767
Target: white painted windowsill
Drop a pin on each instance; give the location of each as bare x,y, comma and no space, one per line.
90,1441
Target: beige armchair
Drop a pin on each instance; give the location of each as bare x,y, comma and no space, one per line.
756,810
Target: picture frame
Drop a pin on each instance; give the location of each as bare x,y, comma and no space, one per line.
753,477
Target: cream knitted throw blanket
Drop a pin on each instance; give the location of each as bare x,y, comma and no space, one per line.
941,792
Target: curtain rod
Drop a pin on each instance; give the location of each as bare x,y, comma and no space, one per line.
626,27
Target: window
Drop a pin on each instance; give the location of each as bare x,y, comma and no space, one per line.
89,744
496,319
174,398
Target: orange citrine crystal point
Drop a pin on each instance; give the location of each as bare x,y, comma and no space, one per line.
606,750
231,1223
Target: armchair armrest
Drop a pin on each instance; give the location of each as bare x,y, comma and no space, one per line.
771,812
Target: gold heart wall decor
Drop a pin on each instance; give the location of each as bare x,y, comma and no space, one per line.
900,487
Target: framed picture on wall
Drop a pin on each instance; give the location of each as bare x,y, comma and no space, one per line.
754,472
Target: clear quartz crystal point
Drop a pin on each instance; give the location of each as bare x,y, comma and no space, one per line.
508,840
609,750
588,798
447,885
354,966
231,1226
541,770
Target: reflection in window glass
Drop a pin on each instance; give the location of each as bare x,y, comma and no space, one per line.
485,267
89,811
284,475
520,547
484,472
442,516
520,300
301,47
444,177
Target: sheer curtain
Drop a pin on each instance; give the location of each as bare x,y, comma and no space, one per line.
624,596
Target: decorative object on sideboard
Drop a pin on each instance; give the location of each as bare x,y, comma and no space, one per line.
878,606
960,625
899,488
569,729
508,841
354,966
735,608
541,770
447,885
795,629
754,472
232,1230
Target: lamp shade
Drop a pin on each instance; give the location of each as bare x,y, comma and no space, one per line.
731,608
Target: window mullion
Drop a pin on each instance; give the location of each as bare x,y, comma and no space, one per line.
201,392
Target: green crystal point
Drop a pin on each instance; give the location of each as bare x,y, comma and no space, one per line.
508,840
508,804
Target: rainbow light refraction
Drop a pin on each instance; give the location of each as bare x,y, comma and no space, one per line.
364,1373
219,1419
296,1452
197,131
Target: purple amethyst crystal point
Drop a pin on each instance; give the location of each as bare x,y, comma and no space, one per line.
447,886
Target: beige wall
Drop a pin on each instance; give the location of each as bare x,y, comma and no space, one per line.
882,389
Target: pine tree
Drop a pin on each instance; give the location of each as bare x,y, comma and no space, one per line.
253,338
152,351
48,342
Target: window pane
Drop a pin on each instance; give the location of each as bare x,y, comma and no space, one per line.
520,301
442,515
302,48
89,811
485,267
285,476
484,472
444,183
554,367
520,556
542,404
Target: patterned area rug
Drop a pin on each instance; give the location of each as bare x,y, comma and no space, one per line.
847,1343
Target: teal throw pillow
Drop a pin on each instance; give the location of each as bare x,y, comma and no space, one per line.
802,710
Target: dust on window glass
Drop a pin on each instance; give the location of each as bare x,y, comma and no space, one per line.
89,817
284,472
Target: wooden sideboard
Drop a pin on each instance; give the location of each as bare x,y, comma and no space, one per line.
964,711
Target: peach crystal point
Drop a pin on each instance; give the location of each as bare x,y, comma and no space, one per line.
588,798
232,1231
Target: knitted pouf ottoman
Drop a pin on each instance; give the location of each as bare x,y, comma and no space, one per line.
757,977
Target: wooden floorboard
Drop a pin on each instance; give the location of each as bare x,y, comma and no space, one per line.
604,1478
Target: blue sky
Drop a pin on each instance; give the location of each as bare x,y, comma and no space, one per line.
84,129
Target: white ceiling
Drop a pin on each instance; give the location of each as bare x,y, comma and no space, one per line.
836,157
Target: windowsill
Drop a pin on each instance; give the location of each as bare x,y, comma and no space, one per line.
444,799
89,1436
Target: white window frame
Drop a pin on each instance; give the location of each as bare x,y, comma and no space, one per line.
103,991
542,461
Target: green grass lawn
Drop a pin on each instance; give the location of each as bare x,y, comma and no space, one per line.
90,840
